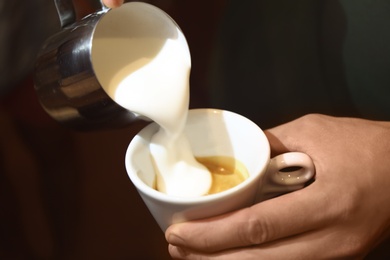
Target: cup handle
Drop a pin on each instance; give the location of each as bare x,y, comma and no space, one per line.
286,172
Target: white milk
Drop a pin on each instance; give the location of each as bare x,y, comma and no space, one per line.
149,75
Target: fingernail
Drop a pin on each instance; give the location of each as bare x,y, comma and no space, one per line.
174,239
170,235
177,252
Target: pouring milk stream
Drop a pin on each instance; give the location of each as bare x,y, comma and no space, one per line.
154,83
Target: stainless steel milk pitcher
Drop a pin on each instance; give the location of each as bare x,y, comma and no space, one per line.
65,81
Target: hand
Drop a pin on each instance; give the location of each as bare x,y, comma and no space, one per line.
343,214
113,3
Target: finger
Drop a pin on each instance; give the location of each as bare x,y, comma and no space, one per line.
309,245
264,222
113,3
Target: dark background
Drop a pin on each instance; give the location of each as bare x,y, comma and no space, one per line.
66,194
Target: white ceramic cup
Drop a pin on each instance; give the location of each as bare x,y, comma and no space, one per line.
217,132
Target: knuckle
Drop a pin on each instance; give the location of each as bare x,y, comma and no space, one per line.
311,120
256,231
354,249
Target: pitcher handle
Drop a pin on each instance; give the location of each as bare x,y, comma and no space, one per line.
66,12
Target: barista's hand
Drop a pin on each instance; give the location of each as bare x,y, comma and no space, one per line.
113,3
343,214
